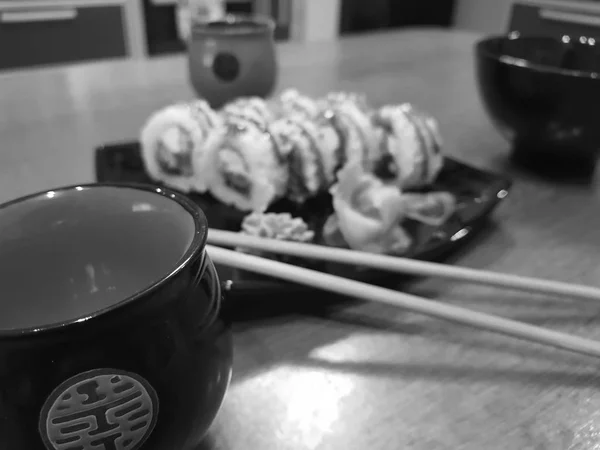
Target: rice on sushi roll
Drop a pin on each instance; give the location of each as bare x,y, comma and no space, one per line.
351,116
332,147
291,103
174,141
409,146
248,109
429,133
246,169
312,151
205,115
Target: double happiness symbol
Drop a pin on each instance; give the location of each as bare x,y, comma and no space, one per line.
99,410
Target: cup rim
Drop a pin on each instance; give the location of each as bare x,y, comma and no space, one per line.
259,24
482,48
197,245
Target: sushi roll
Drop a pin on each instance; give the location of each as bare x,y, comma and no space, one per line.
341,98
306,176
409,146
351,117
430,132
205,115
248,109
291,103
174,142
312,150
246,170
332,146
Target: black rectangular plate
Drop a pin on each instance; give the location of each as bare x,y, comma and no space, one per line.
478,192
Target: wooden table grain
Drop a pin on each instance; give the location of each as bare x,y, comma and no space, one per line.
358,376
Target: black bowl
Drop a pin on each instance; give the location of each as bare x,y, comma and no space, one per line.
110,325
543,95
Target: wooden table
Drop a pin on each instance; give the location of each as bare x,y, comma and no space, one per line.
363,376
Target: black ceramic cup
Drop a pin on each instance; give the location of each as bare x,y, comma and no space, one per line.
111,335
233,57
543,95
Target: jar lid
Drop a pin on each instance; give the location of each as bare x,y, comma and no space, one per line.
234,24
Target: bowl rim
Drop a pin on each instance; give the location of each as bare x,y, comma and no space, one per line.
484,51
235,24
197,245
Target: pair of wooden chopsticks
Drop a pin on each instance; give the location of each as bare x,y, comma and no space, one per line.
414,303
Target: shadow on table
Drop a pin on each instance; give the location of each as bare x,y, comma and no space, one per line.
567,173
278,329
566,317
208,443
463,373
262,343
336,325
252,309
261,325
